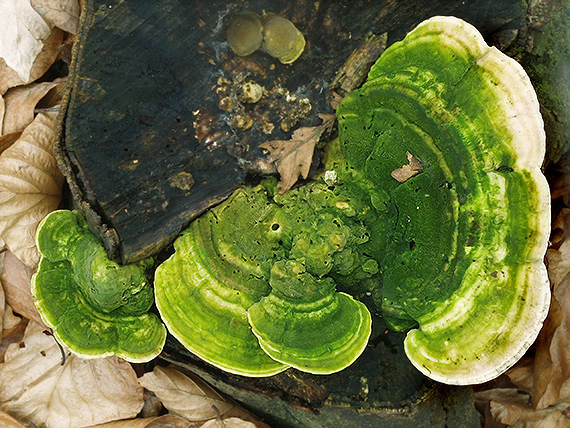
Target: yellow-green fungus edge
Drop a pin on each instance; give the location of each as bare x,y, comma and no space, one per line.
464,270
95,307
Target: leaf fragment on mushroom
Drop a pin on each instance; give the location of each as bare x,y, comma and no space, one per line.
404,173
294,157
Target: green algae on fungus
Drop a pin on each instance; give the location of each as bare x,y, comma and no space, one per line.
234,266
464,262
303,322
95,307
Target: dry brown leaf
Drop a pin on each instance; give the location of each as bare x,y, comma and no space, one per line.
524,416
7,421
552,364
228,423
12,336
9,78
185,395
36,386
412,168
166,421
7,140
15,278
63,14
2,113
30,187
22,35
294,157
152,406
21,104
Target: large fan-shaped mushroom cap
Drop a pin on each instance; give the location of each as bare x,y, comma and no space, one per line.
464,265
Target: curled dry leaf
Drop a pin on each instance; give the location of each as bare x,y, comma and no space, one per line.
63,14
185,395
9,78
15,278
21,103
7,140
37,386
7,421
2,113
30,187
22,35
166,421
524,416
228,423
294,157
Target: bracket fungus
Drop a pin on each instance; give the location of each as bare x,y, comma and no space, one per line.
463,267
96,307
251,285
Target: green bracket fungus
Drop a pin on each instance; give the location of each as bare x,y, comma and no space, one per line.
463,267
305,324
264,266
95,307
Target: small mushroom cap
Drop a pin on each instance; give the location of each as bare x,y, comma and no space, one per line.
281,39
95,307
463,266
304,323
244,33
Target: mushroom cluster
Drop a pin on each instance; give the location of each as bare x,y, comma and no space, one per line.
438,209
433,202
251,285
247,32
464,262
96,307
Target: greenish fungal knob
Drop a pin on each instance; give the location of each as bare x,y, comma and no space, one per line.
281,39
244,33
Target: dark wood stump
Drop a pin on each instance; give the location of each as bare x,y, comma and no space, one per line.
144,143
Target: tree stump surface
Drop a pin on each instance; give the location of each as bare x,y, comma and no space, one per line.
144,143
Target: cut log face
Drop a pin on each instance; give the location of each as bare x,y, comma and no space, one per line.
158,125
